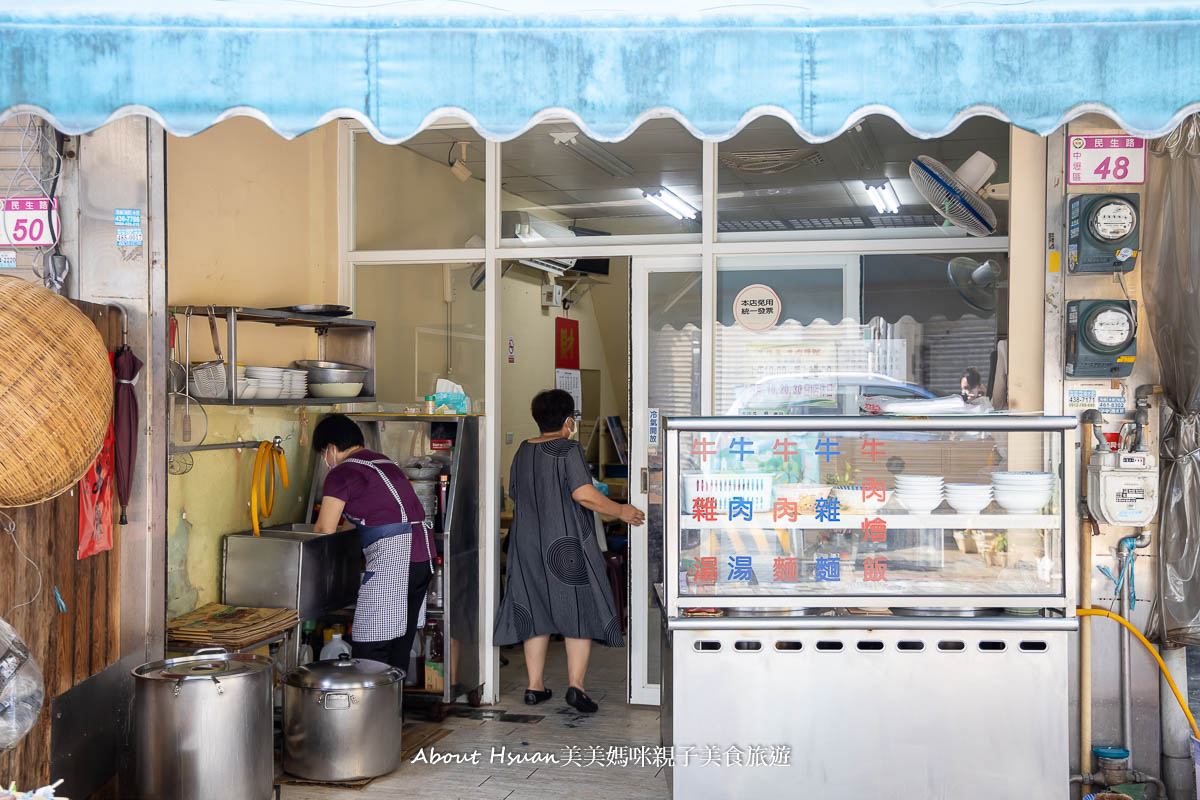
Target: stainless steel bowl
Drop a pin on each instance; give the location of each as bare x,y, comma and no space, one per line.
766,611
333,371
945,611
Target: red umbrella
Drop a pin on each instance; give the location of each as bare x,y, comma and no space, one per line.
125,424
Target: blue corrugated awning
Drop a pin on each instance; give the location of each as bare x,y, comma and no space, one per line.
505,64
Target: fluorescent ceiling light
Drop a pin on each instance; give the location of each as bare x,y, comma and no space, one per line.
593,153
554,266
530,228
884,198
671,203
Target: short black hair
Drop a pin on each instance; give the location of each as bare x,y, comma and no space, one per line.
551,408
973,377
337,430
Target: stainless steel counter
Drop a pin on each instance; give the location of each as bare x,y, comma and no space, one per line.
866,706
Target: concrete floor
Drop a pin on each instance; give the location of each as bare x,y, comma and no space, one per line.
554,727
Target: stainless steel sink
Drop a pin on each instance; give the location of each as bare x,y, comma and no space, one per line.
289,566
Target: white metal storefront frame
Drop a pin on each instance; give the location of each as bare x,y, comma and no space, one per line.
710,247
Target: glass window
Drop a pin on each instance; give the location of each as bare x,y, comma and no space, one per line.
870,513
424,193
771,182
419,336
843,334
559,186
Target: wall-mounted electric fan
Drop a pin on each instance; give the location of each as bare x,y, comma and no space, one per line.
975,282
958,195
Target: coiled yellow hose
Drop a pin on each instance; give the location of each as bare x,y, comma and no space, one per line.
1097,612
262,486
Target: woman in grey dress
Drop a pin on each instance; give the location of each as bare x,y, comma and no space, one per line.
557,581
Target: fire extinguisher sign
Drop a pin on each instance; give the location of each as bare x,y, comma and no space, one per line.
27,223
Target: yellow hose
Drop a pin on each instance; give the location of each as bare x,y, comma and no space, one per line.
262,482
1097,612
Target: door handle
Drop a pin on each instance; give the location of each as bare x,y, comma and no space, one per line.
645,480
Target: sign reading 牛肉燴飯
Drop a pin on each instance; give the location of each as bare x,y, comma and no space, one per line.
756,308
1105,159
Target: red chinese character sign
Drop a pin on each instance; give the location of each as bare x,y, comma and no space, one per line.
566,343
756,308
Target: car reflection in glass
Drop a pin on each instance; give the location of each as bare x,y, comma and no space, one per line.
842,393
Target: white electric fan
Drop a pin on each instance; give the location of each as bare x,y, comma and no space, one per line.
975,282
958,195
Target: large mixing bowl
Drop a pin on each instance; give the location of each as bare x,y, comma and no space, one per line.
333,372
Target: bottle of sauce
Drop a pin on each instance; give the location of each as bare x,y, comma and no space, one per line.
437,585
443,495
433,637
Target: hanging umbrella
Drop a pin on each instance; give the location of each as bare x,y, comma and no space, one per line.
125,423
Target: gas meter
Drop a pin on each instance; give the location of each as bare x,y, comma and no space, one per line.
1101,338
1103,234
1122,483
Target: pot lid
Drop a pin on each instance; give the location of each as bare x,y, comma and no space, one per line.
344,672
205,665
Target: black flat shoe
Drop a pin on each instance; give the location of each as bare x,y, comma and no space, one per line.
581,701
534,696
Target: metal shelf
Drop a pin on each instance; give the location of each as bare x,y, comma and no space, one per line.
271,316
303,401
892,520
344,339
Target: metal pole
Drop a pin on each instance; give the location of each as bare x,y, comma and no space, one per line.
1126,673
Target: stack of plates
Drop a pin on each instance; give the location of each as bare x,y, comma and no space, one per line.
1023,492
270,381
968,498
920,493
295,384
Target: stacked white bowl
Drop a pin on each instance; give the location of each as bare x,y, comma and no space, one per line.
1022,492
920,494
295,384
969,498
270,381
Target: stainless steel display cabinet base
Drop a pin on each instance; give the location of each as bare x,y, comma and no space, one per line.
931,713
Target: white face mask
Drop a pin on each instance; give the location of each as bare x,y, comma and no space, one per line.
329,462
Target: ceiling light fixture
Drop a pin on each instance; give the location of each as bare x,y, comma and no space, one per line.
671,203
884,197
553,266
593,153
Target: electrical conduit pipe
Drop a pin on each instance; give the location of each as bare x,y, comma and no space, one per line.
1099,612
262,486
1090,418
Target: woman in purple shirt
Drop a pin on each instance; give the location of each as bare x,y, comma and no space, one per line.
371,491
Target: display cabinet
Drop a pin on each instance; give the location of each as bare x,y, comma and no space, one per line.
871,512
904,587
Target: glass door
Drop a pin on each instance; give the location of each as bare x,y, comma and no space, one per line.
666,320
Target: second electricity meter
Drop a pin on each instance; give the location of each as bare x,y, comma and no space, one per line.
1101,338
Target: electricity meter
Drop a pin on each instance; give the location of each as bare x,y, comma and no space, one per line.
1103,234
1101,338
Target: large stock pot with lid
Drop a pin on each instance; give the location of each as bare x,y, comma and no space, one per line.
342,719
202,727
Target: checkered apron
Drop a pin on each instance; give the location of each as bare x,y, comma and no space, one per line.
381,613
